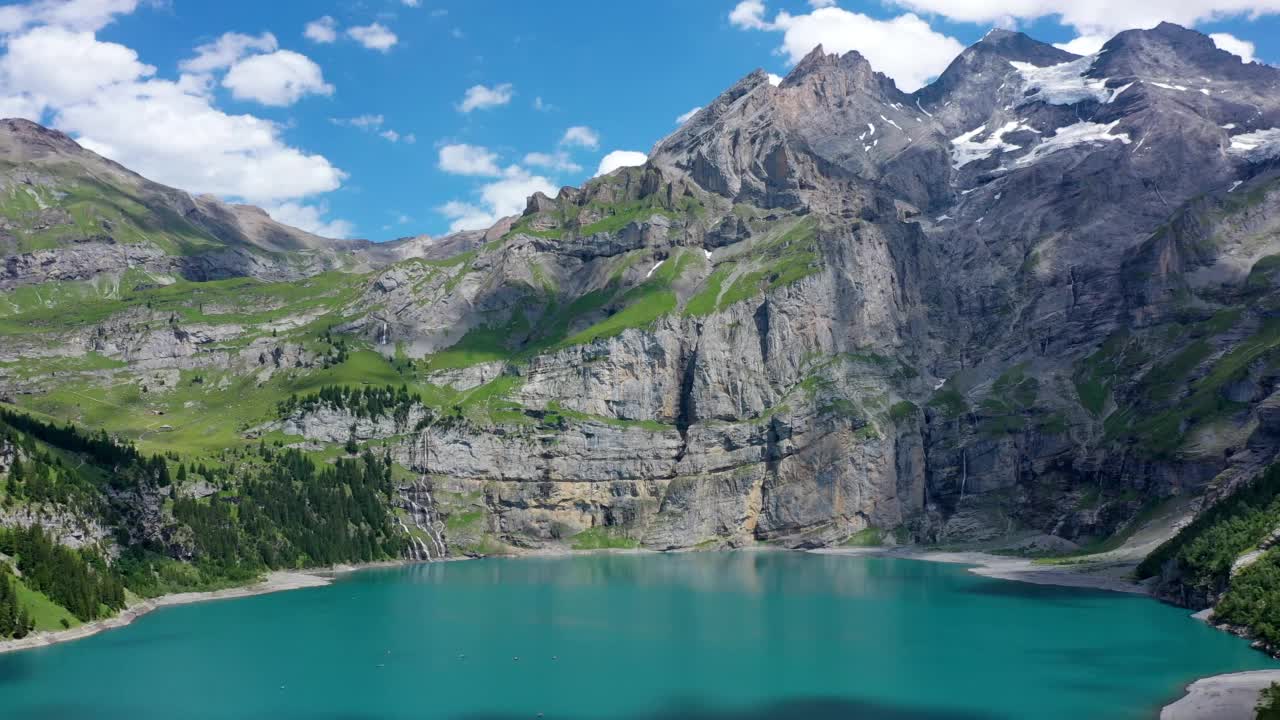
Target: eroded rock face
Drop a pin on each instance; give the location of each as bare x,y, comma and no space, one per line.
958,314
67,526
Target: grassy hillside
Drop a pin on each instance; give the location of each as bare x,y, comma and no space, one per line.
46,614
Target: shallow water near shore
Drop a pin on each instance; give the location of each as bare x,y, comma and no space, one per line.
710,636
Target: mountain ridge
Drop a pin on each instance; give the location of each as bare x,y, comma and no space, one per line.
1029,305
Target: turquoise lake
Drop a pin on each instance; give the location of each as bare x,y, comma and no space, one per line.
709,636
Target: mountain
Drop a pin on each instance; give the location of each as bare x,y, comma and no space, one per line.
1032,305
68,213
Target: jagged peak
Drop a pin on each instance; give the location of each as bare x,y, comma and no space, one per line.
815,58
714,110
993,52
819,60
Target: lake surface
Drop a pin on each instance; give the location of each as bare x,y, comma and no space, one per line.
710,636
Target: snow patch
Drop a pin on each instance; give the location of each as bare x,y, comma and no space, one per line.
926,112
1071,136
871,129
1256,146
655,267
964,149
1234,185
890,122
1116,93
1229,126
1062,84
1166,86
707,253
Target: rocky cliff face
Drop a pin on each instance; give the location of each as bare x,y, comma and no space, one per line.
1034,297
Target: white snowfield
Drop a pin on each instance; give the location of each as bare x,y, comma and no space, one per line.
1256,146
964,149
1072,135
1063,84
1066,84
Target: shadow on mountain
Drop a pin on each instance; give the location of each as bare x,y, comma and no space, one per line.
818,708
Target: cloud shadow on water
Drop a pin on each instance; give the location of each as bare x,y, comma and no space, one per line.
809,708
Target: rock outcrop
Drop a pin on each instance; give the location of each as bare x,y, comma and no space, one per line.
1030,300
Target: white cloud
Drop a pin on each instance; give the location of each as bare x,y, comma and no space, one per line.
541,105
393,136
364,122
1234,45
322,30
52,66
79,15
311,219
581,136
480,97
749,15
226,50
1095,17
466,216
905,48
497,200
821,3
375,37
169,131
619,159
558,160
463,159
279,79
373,123
411,3
1084,44
685,117
20,106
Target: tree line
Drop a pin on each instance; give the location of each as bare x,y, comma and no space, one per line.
15,622
369,401
280,509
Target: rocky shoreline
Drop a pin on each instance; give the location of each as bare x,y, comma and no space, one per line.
1108,576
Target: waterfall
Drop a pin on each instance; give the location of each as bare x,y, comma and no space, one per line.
382,337
425,519
435,527
417,548
964,471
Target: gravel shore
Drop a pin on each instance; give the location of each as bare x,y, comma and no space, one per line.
1222,697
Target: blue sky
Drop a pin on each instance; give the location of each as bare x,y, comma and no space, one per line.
360,126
